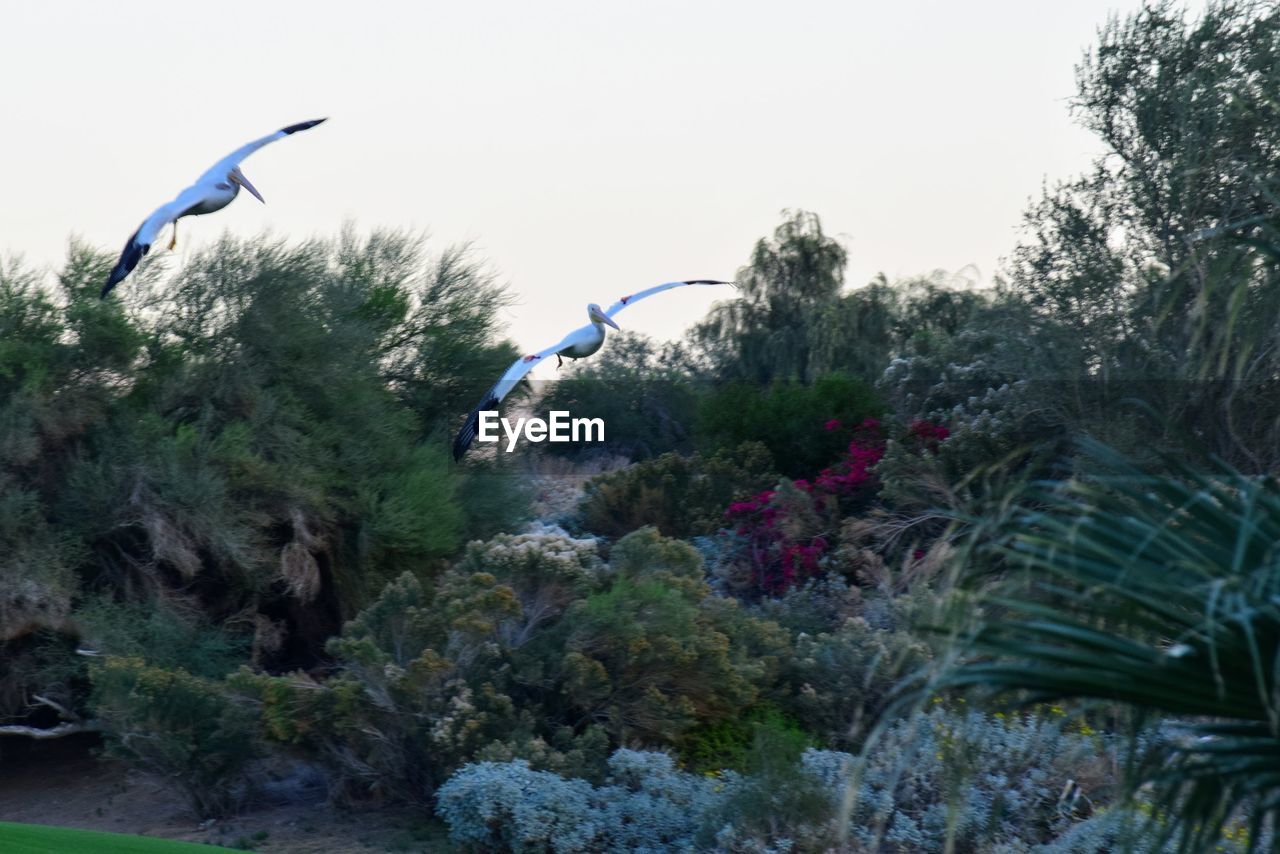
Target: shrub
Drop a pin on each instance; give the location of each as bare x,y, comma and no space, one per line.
528,648
680,496
787,418
840,681
161,636
941,780
782,534
648,403
779,805
647,806
727,744
654,654
185,728
955,780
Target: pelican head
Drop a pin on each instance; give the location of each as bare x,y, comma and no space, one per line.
237,177
597,315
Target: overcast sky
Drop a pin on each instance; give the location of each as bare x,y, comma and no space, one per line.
589,148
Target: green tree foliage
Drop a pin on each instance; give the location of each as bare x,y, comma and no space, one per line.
793,321
256,440
166,635
56,378
773,329
1142,277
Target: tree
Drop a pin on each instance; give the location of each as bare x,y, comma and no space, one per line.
255,441
1144,275
768,333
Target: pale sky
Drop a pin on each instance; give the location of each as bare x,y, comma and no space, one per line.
589,148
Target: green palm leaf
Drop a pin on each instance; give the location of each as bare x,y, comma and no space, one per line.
1161,593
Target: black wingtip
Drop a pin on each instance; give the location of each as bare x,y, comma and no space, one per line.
304,125
469,429
706,282
129,259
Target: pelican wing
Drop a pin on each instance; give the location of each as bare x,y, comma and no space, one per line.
657,289
219,170
514,374
140,243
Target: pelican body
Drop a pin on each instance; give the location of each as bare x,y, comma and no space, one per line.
212,191
578,344
587,341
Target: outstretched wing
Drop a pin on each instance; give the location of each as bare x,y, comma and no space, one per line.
657,289
140,243
219,170
518,370
522,366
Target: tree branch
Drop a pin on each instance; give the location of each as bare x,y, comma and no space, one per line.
73,723
61,730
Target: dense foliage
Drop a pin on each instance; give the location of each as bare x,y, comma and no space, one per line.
912,566
254,447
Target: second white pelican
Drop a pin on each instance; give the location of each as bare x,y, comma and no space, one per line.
211,192
578,344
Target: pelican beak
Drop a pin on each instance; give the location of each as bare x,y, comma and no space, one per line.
604,318
238,177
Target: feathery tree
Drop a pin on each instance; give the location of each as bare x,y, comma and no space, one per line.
255,442
1144,276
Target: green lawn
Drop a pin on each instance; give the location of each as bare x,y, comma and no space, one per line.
37,839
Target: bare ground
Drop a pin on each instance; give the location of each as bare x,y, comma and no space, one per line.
62,783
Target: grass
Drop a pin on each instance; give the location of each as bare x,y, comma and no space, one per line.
38,839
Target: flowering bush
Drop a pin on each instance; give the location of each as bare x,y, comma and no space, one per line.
784,533
783,416
928,434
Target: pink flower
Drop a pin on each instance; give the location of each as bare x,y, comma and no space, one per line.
928,432
833,424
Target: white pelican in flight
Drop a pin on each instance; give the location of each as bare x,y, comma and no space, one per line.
211,192
578,344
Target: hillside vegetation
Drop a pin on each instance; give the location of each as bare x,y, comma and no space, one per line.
898,566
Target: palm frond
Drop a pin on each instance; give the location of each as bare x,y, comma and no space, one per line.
1161,593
